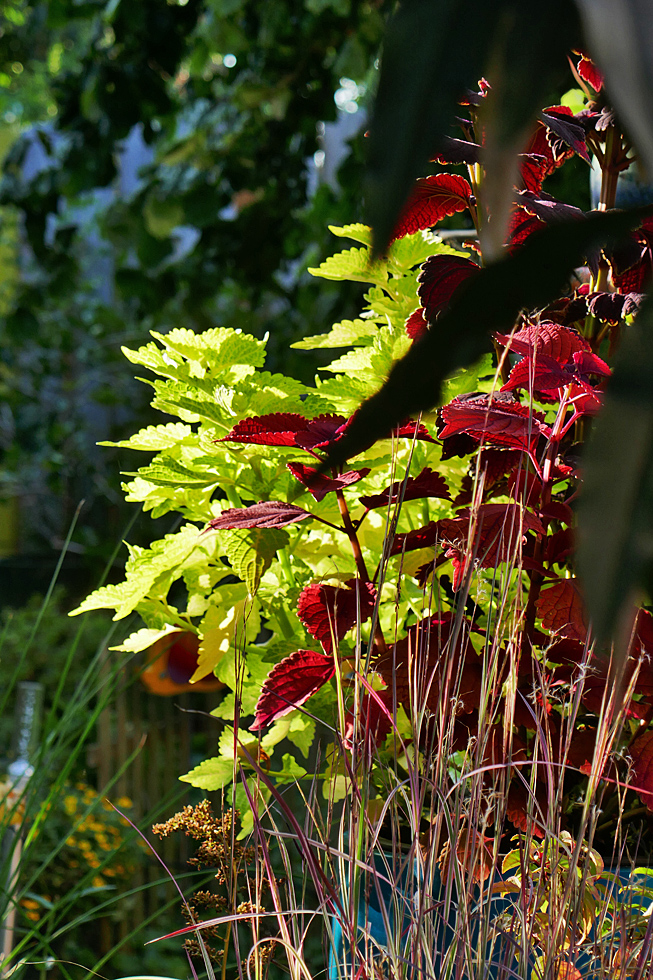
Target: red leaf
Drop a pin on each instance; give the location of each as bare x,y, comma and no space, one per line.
270,513
498,530
426,660
432,199
327,611
423,537
455,151
498,418
427,484
561,609
416,325
520,227
320,485
641,754
559,546
291,683
543,374
559,119
545,337
517,808
439,279
590,73
286,429
547,209
533,168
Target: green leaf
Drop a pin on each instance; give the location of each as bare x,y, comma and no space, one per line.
212,774
615,519
347,333
142,639
352,265
156,437
357,232
251,553
492,301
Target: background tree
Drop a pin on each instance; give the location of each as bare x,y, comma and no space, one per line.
156,174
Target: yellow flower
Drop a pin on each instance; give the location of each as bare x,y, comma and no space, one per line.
124,802
34,916
71,841
98,881
29,903
105,845
109,872
84,845
70,804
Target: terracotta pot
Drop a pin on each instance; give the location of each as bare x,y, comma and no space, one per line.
171,662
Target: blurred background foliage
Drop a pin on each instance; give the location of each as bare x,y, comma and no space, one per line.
164,164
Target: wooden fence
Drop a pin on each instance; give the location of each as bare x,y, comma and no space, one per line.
144,743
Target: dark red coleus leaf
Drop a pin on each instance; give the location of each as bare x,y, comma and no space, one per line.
589,72
320,485
561,609
632,263
547,208
426,484
329,612
270,513
494,465
518,804
546,337
426,662
497,530
559,546
454,151
432,199
439,279
416,325
499,419
541,144
533,168
641,755
291,683
560,120
521,226
286,429
423,537
544,374
611,307
375,721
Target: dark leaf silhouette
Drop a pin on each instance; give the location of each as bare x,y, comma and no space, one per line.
291,683
329,612
432,199
455,151
439,279
427,484
547,209
320,485
423,537
269,513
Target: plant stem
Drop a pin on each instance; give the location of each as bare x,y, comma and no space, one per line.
350,531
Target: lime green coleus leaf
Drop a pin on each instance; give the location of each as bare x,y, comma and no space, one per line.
144,638
357,232
251,553
352,265
347,333
146,568
210,775
233,623
157,437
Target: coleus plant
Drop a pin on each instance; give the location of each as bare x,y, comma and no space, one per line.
307,582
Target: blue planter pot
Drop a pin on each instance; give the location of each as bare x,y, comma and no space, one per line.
384,905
